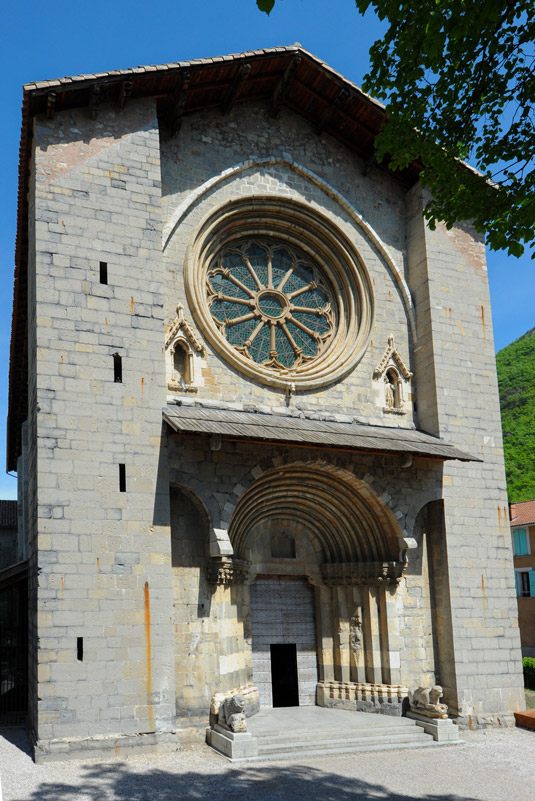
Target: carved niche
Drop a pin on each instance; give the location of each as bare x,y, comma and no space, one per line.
393,380
183,355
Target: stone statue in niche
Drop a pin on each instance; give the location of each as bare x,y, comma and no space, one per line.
231,713
389,393
355,633
396,378
183,349
425,701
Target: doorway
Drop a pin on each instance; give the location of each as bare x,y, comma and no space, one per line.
284,681
284,641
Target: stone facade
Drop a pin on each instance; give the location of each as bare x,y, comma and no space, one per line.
148,548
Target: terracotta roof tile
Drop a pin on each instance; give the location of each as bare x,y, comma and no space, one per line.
522,514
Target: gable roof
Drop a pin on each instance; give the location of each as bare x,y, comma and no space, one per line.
522,514
278,76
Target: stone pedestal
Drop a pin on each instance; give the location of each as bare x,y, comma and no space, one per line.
233,745
442,729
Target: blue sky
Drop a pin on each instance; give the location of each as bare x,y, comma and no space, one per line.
68,37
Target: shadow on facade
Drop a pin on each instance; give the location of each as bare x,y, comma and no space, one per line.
117,782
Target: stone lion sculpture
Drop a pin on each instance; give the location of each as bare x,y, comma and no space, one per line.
425,701
231,713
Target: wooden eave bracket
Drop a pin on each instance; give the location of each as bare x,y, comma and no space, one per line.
94,101
338,101
50,105
236,87
175,105
125,92
281,90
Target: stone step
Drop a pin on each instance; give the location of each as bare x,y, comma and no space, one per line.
296,735
266,746
368,747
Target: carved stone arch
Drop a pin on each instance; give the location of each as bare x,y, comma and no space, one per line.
208,505
349,521
190,521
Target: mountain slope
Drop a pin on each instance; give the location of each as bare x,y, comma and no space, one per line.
516,380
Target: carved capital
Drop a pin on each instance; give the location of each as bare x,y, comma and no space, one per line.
224,570
362,573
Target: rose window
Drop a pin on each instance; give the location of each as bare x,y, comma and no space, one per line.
271,303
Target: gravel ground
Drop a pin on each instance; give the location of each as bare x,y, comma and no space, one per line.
491,765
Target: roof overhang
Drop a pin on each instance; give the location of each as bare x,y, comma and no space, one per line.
305,432
13,574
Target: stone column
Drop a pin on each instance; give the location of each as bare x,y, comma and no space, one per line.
372,641
389,636
324,618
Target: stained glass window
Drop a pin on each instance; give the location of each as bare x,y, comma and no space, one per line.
271,302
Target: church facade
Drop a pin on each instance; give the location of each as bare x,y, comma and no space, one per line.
254,399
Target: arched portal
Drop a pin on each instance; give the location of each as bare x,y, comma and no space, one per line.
314,526
347,521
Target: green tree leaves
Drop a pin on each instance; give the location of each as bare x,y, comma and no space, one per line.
265,5
516,382
458,80
457,77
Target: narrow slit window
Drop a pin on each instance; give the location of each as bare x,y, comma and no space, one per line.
80,649
122,478
103,272
117,368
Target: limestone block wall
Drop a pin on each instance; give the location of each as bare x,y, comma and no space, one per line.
99,489
247,156
209,622
448,279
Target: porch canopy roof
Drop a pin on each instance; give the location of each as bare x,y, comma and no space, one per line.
300,431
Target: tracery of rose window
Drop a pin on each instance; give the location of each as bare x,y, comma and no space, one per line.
271,303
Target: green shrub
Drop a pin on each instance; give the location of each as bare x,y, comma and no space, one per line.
528,666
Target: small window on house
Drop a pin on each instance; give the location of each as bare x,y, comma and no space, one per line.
103,272
525,583
520,542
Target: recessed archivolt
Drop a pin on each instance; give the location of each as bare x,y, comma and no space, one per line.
184,207
340,512
208,507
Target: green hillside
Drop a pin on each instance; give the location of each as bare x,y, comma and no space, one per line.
516,380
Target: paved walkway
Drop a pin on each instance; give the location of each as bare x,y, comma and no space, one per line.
493,765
